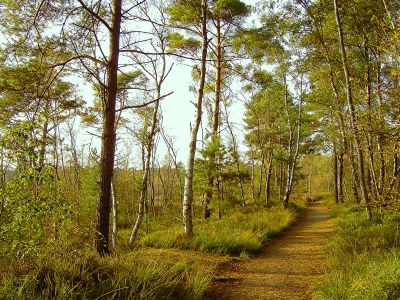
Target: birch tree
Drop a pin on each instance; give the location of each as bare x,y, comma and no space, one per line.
223,17
350,104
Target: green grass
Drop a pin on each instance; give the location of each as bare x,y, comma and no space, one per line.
244,230
162,264
135,275
364,256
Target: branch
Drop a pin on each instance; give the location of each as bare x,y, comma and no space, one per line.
145,104
80,56
129,9
91,12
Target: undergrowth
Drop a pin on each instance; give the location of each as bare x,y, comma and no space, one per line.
135,275
364,256
162,265
241,231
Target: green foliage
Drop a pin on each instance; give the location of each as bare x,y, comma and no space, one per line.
88,190
229,10
179,44
364,256
218,161
243,229
30,200
21,225
185,12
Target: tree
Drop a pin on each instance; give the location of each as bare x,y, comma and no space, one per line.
187,204
352,112
90,21
223,17
158,72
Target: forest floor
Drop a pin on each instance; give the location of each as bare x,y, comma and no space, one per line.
289,267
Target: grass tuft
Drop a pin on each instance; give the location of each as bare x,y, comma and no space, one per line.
364,256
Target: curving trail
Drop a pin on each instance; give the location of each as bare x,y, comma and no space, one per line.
288,267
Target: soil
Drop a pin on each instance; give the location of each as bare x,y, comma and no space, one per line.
289,267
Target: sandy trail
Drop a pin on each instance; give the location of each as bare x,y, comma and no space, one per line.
288,267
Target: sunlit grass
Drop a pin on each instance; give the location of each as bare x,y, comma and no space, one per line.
144,274
364,256
162,264
242,230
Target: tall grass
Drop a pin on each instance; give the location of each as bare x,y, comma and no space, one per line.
240,231
137,275
364,256
162,265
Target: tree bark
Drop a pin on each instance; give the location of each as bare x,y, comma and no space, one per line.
215,120
352,115
335,174
292,163
114,217
188,193
101,239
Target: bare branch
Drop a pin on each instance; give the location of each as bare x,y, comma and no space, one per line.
81,56
145,104
91,12
129,9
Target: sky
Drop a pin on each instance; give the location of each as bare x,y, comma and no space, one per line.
179,112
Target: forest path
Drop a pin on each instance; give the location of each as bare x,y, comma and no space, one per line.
289,267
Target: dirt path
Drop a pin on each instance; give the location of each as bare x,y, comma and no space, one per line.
288,267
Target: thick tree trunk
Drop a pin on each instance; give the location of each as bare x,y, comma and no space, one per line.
352,115
187,204
101,240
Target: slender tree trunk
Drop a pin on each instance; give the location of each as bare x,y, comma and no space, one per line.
146,171
173,155
114,216
215,120
188,192
261,176
335,174
101,239
352,115
380,140
236,154
395,173
291,169
268,176
292,155
252,179
340,177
